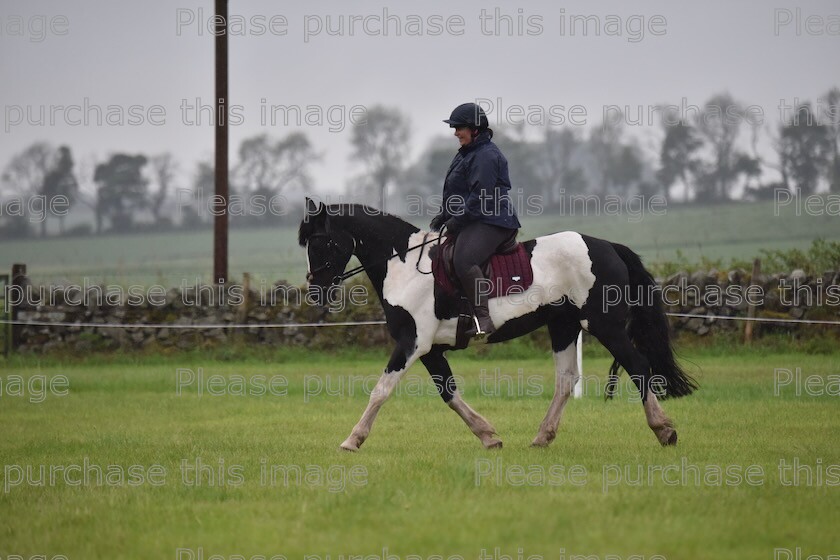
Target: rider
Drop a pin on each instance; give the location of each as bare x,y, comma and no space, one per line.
476,206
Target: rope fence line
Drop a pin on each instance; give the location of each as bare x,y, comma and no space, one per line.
196,326
351,323
753,319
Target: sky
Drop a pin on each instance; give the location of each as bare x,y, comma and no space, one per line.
154,59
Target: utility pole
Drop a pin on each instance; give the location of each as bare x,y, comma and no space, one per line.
220,223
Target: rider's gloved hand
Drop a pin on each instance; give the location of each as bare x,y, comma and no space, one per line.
453,226
438,222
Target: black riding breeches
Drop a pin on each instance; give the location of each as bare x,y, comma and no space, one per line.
475,244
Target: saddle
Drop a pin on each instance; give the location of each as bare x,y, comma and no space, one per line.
508,270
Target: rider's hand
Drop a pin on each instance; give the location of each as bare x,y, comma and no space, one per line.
437,222
452,226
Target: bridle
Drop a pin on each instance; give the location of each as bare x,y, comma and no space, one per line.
338,278
331,244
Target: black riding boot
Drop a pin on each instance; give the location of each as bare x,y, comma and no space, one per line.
478,301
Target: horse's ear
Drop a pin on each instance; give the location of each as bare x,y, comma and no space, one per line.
313,210
311,207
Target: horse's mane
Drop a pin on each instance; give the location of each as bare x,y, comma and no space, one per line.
359,213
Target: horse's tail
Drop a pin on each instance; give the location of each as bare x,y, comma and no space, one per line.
650,333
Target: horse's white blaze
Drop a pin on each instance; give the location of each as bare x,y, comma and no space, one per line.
584,324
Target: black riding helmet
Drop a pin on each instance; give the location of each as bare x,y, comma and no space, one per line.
468,114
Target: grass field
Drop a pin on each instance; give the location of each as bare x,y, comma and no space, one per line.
421,485
724,232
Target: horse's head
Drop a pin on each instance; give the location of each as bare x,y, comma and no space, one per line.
328,250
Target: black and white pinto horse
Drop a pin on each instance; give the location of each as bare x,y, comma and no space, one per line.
571,275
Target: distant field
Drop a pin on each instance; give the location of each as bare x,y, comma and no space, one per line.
727,232
422,484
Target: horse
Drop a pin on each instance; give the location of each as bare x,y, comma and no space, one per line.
574,277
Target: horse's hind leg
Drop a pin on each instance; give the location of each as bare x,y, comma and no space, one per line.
615,339
441,373
661,425
563,343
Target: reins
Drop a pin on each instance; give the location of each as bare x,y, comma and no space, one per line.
361,268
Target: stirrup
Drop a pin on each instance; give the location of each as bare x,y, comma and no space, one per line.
479,334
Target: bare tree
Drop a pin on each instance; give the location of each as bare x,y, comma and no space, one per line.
556,167
85,170
423,179
268,167
24,175
122,192
806,148
163,168
719,124
22,180
604,148
59,182
678,155
381,143
830,118
265,164
193,215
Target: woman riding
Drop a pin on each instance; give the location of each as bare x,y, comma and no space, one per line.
476,206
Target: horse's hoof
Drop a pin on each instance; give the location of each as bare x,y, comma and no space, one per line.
493,444
347,446
668,436
543,439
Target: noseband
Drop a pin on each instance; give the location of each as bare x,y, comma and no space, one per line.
331,244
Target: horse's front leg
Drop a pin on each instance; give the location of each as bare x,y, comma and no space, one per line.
400,361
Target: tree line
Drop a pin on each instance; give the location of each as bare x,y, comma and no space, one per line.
710,156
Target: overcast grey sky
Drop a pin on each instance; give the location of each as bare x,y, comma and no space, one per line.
161,53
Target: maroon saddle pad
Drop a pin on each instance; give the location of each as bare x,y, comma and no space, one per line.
509,272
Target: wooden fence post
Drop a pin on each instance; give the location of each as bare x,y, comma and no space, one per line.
6,313
19,284
751,310
244,306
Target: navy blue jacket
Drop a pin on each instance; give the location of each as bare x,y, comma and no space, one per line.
477,184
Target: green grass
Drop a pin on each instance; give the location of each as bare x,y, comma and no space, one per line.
419,494
732,231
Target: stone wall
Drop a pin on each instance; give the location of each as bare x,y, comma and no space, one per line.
729,294
708,294
210,309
